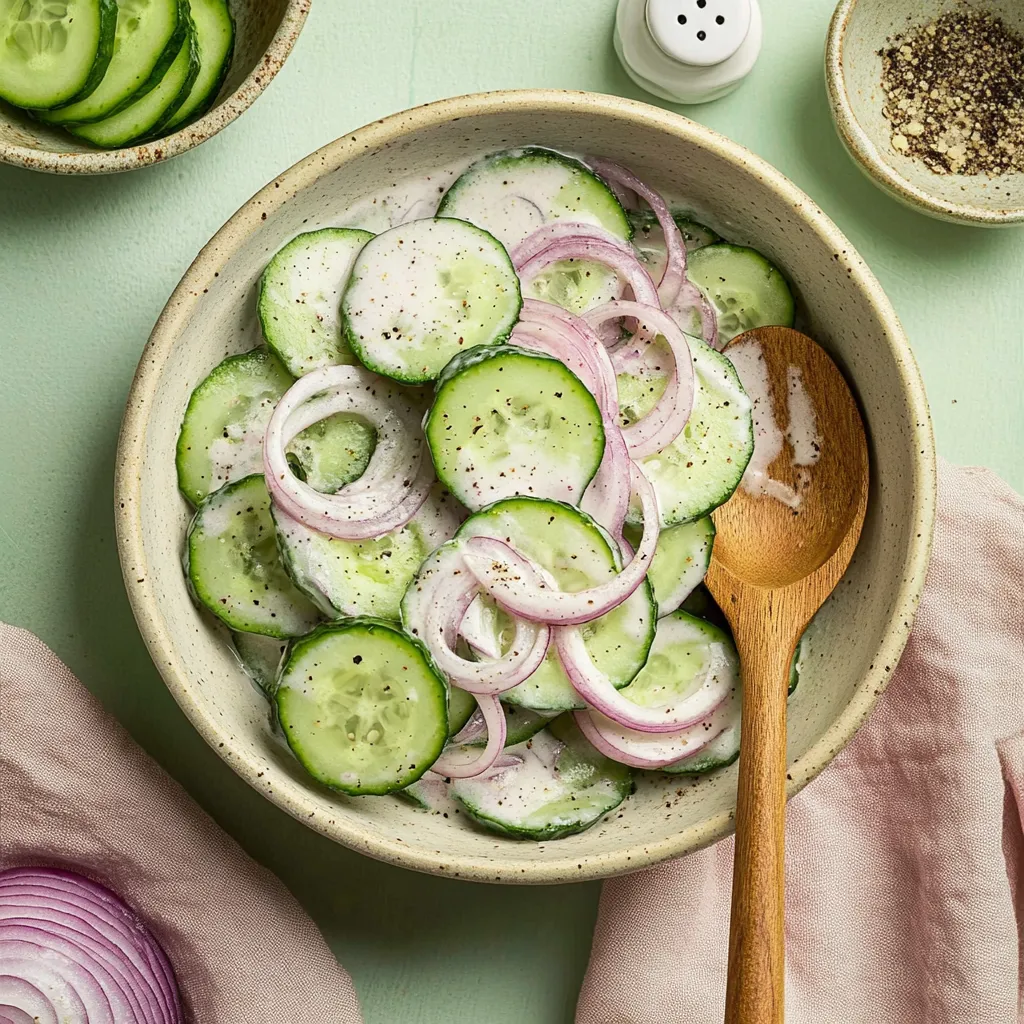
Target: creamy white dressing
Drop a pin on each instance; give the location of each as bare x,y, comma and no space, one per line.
407,199
240,452
801,431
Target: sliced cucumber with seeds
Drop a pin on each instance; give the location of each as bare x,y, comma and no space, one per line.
703,466
145,117
300,298
261,658
221,437
577,552
234,567
54,51
511,194
559,786
425,291
746,290
362,707
506,421
215,36
368,577
680,561
149,37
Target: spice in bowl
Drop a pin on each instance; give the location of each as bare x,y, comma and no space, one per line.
955,94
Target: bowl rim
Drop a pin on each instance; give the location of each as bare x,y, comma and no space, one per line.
864,151
217,118
159,351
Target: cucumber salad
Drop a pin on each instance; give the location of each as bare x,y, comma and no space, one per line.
455,511
114,72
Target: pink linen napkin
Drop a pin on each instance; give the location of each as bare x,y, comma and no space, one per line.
904,859
75,790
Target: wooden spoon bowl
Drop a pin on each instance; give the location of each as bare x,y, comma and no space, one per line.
772,568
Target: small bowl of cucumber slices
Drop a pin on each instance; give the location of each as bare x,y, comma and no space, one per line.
417,481
97,86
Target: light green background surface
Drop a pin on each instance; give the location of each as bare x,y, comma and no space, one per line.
87,264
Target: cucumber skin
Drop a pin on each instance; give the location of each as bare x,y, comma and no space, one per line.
211,97
535,151
104,53
156,76
299,643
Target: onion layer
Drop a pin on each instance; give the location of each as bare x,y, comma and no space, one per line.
665,422
457,762
498,568
397,479
71,951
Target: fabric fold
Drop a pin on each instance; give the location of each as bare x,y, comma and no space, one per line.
903,857
76,791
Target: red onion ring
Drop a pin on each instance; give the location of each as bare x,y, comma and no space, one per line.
569,338
556,231
458,762
597,690
498,567
71,951
593,247
676,292
444,591
397,479
665,422
674,274
653,750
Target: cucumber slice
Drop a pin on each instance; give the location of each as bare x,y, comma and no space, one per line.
362,707
148,38
261,658
461,706
300,295
577,552
425,291
221,437
215,34
512,193
506,421
680,561
703,466
54,51
144,117
747,291
562,786
234,568
369,577
685,650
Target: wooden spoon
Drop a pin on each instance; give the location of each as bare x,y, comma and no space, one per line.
772,568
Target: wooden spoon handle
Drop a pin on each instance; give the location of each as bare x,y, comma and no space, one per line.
754,993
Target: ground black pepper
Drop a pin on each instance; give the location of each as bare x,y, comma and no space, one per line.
955,94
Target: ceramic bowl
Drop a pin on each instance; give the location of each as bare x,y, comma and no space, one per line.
853,71
857,638
265,32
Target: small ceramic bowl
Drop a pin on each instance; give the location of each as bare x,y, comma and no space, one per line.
265,32
860,29
855,640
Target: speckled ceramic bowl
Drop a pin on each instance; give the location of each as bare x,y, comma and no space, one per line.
857,638
265,32
853,71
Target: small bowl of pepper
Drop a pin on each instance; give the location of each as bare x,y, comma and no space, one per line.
928,97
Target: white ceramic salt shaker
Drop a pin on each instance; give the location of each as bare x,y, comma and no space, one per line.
688,51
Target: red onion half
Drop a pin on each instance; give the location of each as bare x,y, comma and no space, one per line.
498,567
72,952
396,481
